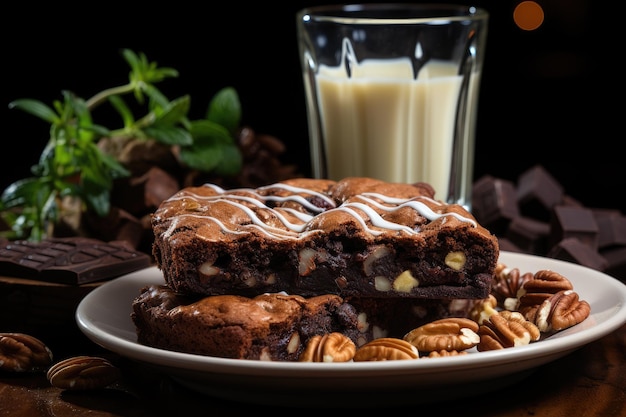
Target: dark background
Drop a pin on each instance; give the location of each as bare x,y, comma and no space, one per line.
552,96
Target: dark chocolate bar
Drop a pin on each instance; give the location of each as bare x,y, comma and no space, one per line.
71,260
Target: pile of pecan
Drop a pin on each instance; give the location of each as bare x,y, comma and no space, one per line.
521,309
20,352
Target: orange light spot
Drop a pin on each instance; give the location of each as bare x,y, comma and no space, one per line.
528,15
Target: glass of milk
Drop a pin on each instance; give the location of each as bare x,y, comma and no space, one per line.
392,92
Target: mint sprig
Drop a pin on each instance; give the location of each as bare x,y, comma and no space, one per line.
72,165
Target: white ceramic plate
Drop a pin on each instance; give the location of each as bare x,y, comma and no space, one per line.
104,317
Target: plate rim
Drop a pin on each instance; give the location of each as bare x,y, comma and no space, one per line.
547,349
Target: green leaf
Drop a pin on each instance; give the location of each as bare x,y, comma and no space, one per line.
132,59
231,162
173,112
98,200
157,99
203,159
21,192
204,131
99,130
36,108
120,105
115,168
144,71
209,139
170,135
225,109
83,118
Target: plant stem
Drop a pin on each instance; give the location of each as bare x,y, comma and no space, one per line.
99,98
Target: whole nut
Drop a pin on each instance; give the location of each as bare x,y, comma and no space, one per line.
559,311
444,334
506,329
535,291
386,349
545,281
333,347
506,284
481,310
20,352
83,373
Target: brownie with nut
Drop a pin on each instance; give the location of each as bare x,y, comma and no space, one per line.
271,327
358,237
274,326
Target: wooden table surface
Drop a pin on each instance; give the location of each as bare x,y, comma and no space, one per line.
591,381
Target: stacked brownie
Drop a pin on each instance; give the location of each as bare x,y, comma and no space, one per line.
379,250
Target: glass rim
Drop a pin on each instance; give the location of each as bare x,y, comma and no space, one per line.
393,13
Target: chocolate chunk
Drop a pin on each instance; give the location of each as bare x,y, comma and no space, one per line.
140,195
573,250
117,225
616,258
507,245
537,193
73,260
529,234
611,230
494,201
577,222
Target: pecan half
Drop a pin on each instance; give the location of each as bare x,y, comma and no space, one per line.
506,329
559,311
444,334
333,347
386,349
481,310
506,284
83,373
541,287
20,352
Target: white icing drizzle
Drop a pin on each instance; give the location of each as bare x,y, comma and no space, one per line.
264,228
418,206
396,200
256,220
293,189
295,231
300,215
297,198
375,218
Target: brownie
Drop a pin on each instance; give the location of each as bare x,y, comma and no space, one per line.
272,327
358,237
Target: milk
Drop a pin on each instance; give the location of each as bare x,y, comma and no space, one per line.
382,122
